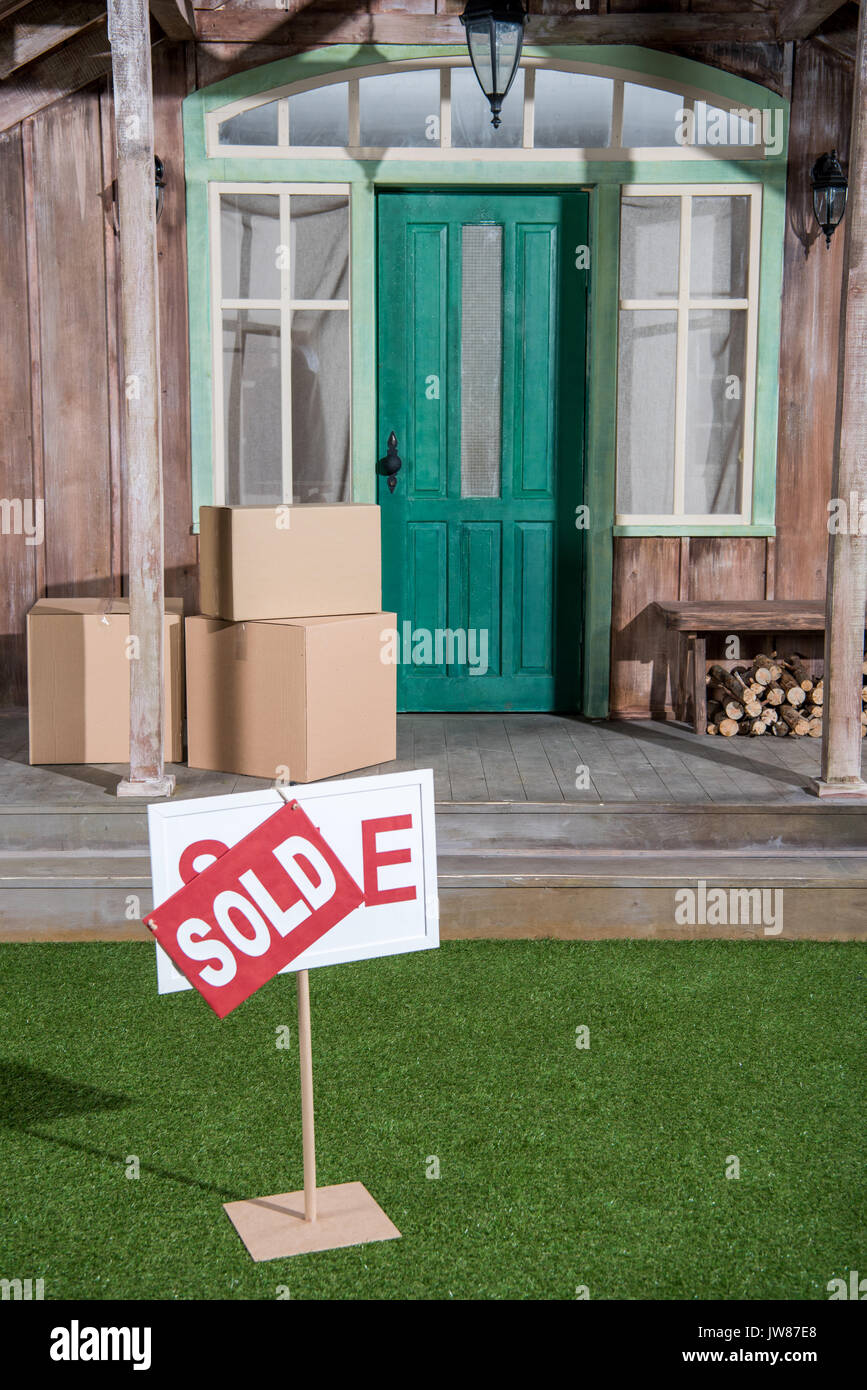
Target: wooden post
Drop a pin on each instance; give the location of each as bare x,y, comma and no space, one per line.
846,594
305,1053
129,36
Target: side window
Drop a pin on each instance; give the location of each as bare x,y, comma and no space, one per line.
282,327
687,359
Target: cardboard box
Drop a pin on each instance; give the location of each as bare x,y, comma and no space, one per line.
308,694
289,561
78,680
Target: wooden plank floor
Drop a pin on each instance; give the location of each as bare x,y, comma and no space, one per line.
500,757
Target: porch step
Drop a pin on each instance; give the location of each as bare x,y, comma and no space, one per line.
571,896
589,896
506,869
518,827
74,896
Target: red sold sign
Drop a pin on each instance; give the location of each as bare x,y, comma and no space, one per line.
258,906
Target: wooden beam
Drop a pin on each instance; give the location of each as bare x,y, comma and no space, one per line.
8,7
44,27
797,19
846,595
54,76
841,44
176,18
129,32
269,25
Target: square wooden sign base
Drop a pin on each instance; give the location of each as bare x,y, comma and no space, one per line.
274,1227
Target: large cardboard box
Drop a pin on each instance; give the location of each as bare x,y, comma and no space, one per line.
311,695
289,561
78,680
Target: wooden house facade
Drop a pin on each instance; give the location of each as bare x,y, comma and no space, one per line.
665,418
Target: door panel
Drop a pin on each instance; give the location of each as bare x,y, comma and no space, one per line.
482,321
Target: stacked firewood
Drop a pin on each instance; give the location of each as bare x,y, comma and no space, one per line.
769,695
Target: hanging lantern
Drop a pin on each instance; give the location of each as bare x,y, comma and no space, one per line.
495,34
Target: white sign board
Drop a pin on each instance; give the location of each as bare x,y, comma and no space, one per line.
396,867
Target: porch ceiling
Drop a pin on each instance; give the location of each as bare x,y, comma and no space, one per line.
51,48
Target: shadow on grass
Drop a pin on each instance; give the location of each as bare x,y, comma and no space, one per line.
29,1096
111,1157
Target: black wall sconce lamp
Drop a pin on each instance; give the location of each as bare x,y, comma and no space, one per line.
159,183
830,192
495,35
159,186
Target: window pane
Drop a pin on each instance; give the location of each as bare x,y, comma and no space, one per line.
572,110
645,412
320,246
714,126
715,410
251,405
401,108
250,236
320,405
650,117
320,117
649,248
471,114
720,247
481,359
255,127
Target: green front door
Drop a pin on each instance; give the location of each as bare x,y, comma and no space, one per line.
482,325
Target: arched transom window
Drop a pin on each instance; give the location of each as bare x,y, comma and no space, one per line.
436,110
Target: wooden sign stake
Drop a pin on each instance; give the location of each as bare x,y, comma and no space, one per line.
308,1138
324,1218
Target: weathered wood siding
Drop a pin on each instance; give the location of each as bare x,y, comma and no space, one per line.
812,284
60,437
17,558
60,374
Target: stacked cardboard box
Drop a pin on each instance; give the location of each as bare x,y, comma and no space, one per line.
78,665
285,676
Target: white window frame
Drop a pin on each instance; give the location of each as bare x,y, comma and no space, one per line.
530,64
682,305
285,305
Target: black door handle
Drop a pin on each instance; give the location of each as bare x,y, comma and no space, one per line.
390,466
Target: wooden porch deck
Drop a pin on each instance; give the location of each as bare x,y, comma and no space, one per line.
522,851
534,758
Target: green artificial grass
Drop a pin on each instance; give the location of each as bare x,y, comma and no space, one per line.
559,1167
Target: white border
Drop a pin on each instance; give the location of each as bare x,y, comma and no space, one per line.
171,980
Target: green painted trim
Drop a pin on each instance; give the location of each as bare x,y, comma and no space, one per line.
198,279
603,178
319,61
364,442
470,173
768,349
600,475
700,529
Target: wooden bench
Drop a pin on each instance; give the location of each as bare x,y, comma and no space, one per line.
694,621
